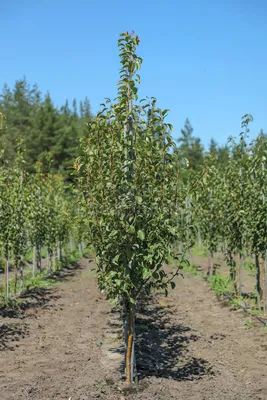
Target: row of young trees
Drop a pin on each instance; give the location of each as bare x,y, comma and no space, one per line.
36,213
229,210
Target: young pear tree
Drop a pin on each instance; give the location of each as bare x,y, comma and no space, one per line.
128,174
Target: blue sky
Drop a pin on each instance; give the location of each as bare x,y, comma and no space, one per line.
203,59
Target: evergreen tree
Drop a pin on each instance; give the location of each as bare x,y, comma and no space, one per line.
48,132
213,147
190,147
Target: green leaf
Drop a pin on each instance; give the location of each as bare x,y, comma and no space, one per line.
138,199
141,235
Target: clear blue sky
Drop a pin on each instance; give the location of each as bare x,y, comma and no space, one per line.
203,59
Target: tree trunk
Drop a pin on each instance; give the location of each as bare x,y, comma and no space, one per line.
189,255
6,267
50,261
16,276
59,251
54,258
263,287
239,274
131,375
21,276
258,281
232,265
211,264
38,257
265,277
33,262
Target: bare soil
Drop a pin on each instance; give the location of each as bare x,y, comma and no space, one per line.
65,343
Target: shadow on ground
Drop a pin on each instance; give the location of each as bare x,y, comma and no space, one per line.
11,333
38,297
66,272
163,345
31,299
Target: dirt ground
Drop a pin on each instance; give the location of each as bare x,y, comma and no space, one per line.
65,344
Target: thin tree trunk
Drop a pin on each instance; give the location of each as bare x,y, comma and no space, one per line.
16,276
6,278
211,264
50,256
130,353
48,263
258,281
7,274
126,328
265,277
33,262
239,274
21,276
232,264
263,287
189,255
128,359
38,253
58,251
54,264
133,357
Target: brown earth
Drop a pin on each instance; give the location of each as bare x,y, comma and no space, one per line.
65,344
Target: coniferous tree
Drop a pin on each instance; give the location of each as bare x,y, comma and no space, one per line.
190,147
48,132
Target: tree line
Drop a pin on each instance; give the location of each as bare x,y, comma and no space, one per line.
48,132
51,132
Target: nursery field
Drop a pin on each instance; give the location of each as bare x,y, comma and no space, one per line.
175,306
66,344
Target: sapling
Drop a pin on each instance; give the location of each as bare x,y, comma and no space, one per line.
128,178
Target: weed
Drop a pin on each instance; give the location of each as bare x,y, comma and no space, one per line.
221,284
192,269
249,324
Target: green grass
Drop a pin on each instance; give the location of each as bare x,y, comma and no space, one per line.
39,281
192,269
221,284
249,265
200,251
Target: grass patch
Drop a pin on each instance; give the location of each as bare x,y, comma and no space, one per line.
200,251
192,269
221,284
249,265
